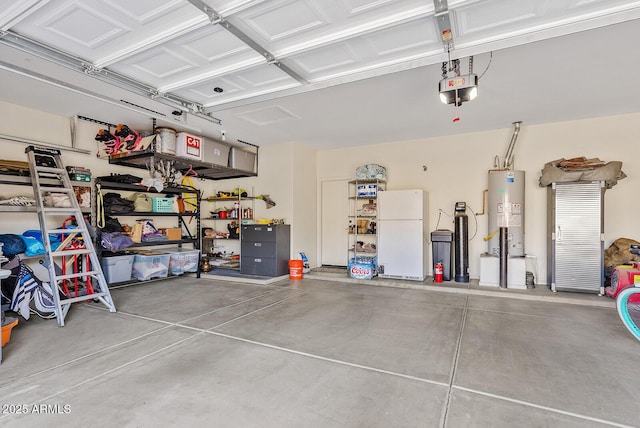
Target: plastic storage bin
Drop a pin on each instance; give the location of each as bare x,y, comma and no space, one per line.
215,152
182,260
242,160
188,146
117,268
151,265
162,205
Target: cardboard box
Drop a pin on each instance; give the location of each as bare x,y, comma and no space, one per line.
173,233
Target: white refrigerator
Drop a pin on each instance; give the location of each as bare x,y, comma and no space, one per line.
403,246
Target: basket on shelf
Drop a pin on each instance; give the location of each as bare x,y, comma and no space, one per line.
162,205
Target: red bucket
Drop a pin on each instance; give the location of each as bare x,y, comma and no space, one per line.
295,269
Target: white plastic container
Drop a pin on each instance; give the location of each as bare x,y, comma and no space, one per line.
150,265
188,146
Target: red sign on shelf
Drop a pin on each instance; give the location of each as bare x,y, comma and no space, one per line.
193,145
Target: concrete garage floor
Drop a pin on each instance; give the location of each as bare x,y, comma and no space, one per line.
324,352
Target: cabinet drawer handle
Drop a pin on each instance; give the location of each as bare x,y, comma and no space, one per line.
257,244
257,260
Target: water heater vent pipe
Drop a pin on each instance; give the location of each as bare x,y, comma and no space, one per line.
508,157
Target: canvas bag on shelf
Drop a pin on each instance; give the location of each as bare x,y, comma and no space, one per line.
141,202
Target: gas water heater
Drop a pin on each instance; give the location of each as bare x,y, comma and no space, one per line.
506,209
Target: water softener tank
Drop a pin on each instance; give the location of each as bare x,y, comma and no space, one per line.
506,209
461,243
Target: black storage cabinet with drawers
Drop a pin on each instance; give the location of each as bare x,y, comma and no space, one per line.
265,249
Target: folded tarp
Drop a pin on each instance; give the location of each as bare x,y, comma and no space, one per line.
581,169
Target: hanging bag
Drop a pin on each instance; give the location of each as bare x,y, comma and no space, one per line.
190,200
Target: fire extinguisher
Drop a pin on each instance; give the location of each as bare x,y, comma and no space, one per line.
437,273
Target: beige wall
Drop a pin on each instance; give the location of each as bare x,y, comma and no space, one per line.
305,207
33,125
457,171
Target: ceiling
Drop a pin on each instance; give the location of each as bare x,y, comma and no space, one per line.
326,73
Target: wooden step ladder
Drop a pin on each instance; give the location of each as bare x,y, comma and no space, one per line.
48,175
